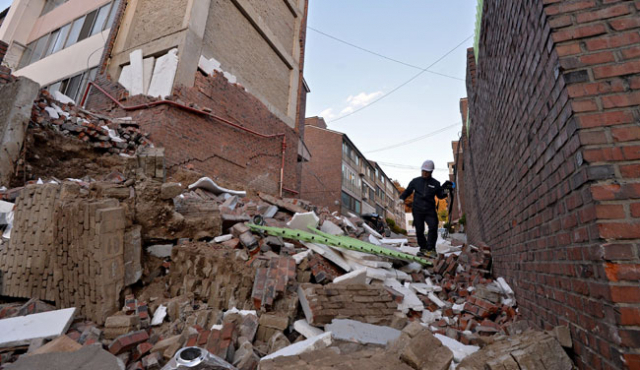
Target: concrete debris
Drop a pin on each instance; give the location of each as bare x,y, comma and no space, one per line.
531,351
209,185
86,358
303,221
312,344
163,75
160,251
17,331
306,330
358,332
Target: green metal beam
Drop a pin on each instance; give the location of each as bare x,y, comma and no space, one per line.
339,242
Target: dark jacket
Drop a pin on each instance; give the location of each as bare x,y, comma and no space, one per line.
426,191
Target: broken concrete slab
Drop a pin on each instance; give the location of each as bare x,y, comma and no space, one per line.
125,77
356,277
358,332
163,75
459,350
137,73
309,345
209,185
147,65
410,301
303,221
306,330
331,228
329,254
91,357
17,331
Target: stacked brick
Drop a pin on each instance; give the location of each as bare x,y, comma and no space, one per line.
552,166
364,303
74,256
89,259
27,263
216,276
271,282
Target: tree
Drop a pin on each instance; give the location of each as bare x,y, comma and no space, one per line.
408,203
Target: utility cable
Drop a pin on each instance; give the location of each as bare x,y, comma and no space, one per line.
404,83
417,138
380,55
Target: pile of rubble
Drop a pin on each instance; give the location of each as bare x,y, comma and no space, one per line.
139,270
113,135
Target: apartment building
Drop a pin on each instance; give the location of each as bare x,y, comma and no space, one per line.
339,177
58,43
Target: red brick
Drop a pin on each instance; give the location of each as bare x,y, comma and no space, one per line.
630,337
605,119
618,252
604,154
610,12
578,32
621,100
619,230
595,88
127,341
619,69
631,53
615,41
610,211
629,316
568,49
566,7
559,22
597,58
623,134
586,105
625,272
625,23
630,170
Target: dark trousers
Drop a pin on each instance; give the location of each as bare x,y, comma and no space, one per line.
431,219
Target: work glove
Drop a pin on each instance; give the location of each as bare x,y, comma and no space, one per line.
399,202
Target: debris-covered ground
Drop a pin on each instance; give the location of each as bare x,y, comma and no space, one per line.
118,268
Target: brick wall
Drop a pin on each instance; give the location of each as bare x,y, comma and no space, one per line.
5,72
552,166
222,152
322,176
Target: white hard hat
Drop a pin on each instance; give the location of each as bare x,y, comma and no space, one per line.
428,166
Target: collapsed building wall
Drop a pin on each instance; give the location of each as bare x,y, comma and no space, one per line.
552,166
257,84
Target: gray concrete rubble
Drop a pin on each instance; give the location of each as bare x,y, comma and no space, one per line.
141,268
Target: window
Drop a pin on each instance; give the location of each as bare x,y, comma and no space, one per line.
372,194
98,25
38,48
74,86
51,4
351,203
112,15
87,26
76,26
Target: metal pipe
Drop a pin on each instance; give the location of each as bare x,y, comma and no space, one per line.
196,111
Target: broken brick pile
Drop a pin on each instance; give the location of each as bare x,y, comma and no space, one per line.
365,303
67,118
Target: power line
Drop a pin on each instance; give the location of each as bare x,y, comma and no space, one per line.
380,55
457,124
404,83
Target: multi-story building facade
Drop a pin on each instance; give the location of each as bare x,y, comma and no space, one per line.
339,176
58,43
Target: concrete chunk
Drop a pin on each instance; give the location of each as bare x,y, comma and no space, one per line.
329,254
163,75
309,345
303,221
306,330
357,277
137,72
331,228
358,332
18,331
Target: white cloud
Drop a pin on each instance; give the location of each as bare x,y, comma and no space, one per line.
363,99
353,102
327,114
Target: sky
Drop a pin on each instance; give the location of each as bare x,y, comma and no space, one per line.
343,78
4,4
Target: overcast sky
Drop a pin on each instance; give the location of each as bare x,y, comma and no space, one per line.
343,78
4,4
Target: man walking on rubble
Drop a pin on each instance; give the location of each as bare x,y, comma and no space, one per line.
426,190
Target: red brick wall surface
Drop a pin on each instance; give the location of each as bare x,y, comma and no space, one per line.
322,176
552,166
5,72
218,150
